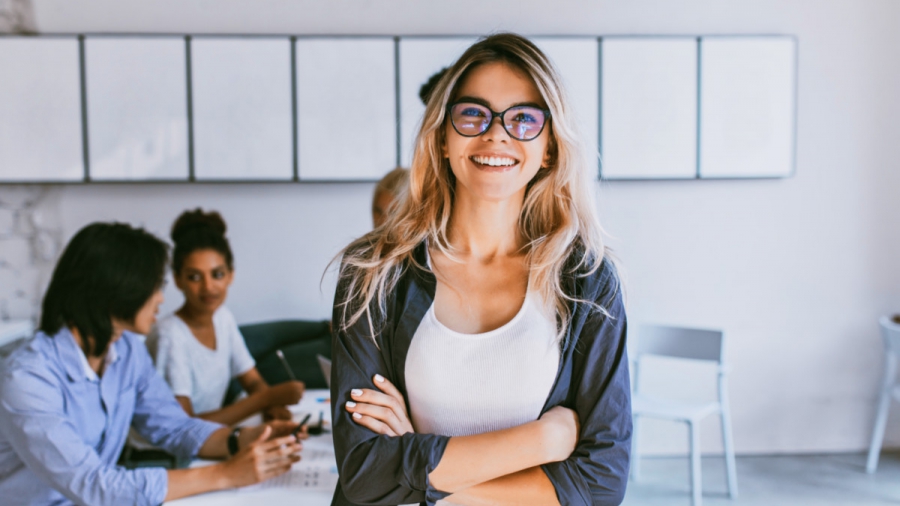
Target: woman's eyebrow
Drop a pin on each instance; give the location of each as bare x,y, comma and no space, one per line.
194,270
481,101
530,104
474,100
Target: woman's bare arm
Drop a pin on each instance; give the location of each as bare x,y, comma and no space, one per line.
500,460
233,413
260,398
530,487
253,383
472,460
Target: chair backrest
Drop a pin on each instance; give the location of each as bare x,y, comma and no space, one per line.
266,337
679,342
890,332
300,341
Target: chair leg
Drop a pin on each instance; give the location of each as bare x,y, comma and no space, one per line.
884,405
728,445
696,487
635,459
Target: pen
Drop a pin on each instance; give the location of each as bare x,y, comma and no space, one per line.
297,430
317,429
285,364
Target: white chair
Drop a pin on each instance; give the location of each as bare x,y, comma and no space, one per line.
890,333
693,344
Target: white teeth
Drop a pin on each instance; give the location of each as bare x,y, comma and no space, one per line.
494,161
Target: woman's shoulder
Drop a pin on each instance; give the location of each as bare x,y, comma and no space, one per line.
169,321
227,330
36,356
224,316
593,279
361,247
132,348
167,329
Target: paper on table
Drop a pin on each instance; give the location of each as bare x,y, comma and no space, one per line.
315,402
317,469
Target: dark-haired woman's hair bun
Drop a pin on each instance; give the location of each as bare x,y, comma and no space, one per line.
196,230
189,221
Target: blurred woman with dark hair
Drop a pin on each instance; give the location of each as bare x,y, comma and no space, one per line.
69,396
199,348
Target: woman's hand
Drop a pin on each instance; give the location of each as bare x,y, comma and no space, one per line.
277,413
563,428
262,458
276,429
383,412
285,394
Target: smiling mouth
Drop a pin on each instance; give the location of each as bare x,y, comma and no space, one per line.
495,162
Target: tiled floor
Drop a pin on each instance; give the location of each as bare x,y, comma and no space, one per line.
807,480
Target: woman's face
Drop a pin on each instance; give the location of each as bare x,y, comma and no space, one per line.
495,166
204,280
380,206
146,317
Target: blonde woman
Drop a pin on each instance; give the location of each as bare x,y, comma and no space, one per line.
479,352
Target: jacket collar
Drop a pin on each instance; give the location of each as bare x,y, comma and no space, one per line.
73,360
420,271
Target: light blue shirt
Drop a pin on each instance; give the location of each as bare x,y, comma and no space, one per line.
62,428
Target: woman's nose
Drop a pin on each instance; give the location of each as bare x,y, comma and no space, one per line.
495,130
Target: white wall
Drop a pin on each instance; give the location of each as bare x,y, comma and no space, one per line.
796,270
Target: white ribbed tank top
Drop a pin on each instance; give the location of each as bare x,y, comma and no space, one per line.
463,384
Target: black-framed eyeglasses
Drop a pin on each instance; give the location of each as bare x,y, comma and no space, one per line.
521,122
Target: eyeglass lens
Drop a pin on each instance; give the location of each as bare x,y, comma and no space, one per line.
521,122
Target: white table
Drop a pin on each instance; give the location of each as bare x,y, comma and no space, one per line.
272,494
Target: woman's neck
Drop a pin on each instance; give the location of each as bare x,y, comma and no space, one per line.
483,229
95,362
195,318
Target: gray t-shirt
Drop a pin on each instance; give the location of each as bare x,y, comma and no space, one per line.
191,369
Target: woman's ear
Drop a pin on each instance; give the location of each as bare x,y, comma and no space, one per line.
444,153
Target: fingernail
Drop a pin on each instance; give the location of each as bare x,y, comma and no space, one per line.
379,378
351,404
356,392
357,416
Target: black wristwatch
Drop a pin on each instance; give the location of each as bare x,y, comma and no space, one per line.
233,441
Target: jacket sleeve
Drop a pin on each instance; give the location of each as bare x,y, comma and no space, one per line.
157,415
374,469
597,471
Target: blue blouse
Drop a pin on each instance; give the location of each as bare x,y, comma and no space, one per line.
592,380
62,428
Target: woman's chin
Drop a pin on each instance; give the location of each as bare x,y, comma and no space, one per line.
495,192
205,305
495,185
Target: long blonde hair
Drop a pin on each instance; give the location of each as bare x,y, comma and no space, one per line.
558,218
